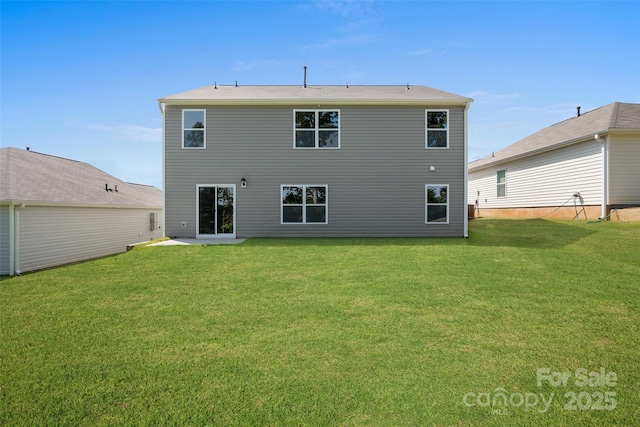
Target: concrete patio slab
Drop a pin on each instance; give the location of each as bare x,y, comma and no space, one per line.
173,242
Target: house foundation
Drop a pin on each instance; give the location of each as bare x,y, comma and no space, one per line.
548,212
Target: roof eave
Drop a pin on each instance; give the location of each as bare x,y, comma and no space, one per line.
463,102
75,204
497,162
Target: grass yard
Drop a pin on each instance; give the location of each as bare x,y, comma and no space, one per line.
335,332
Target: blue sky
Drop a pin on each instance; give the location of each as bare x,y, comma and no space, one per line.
81,79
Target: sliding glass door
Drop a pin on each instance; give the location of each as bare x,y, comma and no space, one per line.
216,210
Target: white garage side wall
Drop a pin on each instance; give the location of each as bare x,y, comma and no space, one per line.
624,170
55,235
546,179
5,240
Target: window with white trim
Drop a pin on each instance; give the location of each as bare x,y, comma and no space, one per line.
304,204
193,128
501,178
437,129
316,129
437,203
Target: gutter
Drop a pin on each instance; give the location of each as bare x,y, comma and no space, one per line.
318,102
534,152
79,204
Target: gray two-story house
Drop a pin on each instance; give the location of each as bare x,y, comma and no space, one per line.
280,161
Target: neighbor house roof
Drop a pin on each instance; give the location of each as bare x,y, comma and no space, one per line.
313,95
31,177
615,117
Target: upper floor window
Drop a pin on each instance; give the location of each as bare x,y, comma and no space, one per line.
437,128
437,203
304,204
501,178
316,129
193,128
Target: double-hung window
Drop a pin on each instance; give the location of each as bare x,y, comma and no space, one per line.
501,178
437,207
316,129
304,204
193,128
437,128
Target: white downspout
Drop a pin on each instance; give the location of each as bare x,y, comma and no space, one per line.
164,185
466,172
605,173
14,268
12,238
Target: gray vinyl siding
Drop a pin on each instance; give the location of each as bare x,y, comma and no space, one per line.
55,235
5,240
546,179
376,180
624,170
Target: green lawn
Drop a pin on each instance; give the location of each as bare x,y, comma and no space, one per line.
346,332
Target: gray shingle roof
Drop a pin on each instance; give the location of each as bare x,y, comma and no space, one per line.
28,176
289,95
616,116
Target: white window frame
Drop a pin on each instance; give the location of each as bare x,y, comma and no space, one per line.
504,184
426,128
204,130
304,204
427,204
317,129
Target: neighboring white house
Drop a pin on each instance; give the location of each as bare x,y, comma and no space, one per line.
585,166
56,211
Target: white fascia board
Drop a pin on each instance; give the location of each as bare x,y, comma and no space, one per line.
538,151
316,102
75,205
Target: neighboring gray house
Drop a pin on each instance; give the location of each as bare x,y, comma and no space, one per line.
56,211
594,156
250,161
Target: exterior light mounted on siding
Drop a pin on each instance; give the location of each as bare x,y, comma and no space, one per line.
243,182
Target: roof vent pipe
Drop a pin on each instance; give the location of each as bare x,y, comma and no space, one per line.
236,83
305,76
578,108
